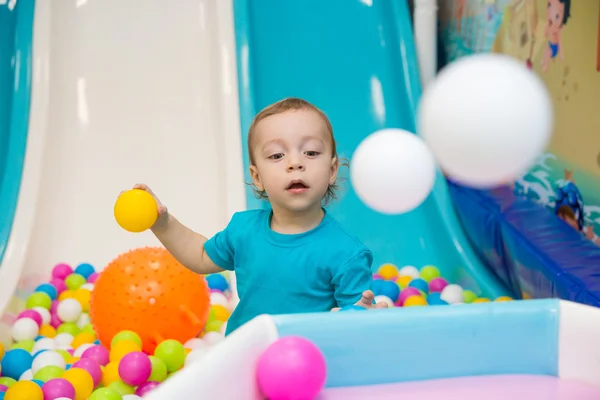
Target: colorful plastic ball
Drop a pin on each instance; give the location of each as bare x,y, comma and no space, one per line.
429,272
376,285
85,270
504,298
92,367
93,277
159,369
24,390
68,327
435,299
404,281
39,299
57,388
69,310
74,281
46,358
121,349
172,353
98,353
135,368
122,388
409,270
291,368
49,372
15,363
453,294
126,335
7,381
437,284
81,381
217,282
106,394
389,289
388,271
481,300
48,289
353,307
136,210
420,284
146,388
469,296
61,271
406,293
3,388
416,300
32,314
59,285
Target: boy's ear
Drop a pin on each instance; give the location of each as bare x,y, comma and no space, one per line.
334,170
256,178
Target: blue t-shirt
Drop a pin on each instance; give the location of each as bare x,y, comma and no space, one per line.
276,273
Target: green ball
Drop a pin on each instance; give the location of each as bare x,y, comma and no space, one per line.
469,296
69,327
106,394
63,353
89,328
212,315
48,372
6,381
159,369
213,326
429,272
75,281
172,353
39,299
126,335
24,344
122,388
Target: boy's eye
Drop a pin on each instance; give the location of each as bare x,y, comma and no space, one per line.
312,153
276,156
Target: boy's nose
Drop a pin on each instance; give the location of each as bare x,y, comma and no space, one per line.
295,165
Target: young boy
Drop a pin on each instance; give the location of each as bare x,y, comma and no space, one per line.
294,257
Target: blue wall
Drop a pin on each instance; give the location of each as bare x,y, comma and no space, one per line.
16,33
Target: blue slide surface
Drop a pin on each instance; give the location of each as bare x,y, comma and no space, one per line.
356,60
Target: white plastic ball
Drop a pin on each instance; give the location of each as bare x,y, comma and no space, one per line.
83,320
392,171
81,349
48,358
26,376
43,344
196,355
212,338
87,286
217,298
25,329
384,299
452,294
63,339
69,310
487,118
409,270
194,343
44,313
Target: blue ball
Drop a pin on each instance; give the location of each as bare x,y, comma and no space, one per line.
434,299
389,289
49,289
217,282
2,395
39,352
353,308
68,367
376,286
85,270
15,362
420,284
38,382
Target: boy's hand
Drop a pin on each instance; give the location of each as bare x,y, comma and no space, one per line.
367,301
162,209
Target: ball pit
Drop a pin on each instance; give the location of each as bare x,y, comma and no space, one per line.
57,354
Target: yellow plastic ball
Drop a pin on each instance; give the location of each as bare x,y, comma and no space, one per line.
481,300
220,312
413,301
403,281
67,294
82,382
1,351
110,373
136,210
504,298
83,297
121,349
24,390
46,331
82,338
388,271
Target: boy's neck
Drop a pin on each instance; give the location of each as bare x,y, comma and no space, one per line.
294,222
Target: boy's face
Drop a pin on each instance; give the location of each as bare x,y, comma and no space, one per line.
294,165
555,13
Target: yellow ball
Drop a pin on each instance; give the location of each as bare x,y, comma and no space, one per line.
403,281
110,373
82,382
388,271
220,312
413,301
24,390
82,338
67,294
504,298
481,300
121,349
136,210
83,297
2,350
46,331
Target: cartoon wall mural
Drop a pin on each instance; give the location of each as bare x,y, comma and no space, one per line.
560,41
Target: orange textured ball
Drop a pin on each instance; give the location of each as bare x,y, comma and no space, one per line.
148,291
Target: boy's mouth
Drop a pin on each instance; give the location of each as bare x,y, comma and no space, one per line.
297,186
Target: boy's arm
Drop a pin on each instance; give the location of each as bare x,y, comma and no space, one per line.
352,279
186,246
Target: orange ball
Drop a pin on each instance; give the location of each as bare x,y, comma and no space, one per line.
148,291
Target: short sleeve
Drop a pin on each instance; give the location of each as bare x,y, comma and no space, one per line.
352,278
221,247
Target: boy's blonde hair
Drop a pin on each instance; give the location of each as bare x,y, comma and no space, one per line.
292,104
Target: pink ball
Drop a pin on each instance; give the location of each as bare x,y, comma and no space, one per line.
59,284
3,388
92,367
135,368
97,353
145,388
54,306
406,293
437,284
61,271
93,277
291,368
55,320
58,388
34,315
377,277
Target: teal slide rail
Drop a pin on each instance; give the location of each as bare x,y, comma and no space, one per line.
356,60
16,43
